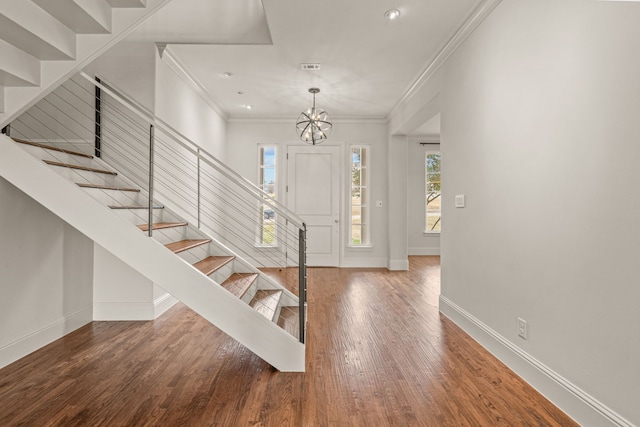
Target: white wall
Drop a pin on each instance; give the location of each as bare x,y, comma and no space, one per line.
397,181
129,66
185,108
46,270
540,131
121,293
64,117
178,104
243,138
420,243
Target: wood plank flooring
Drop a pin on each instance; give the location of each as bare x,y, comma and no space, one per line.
378,354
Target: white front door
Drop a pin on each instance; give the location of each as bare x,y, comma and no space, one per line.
313,181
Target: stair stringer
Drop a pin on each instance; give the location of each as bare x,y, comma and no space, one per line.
150,258
16,100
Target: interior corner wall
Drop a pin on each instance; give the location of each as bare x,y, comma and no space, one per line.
243,138
178,104
46,269
540,132
129,67
119,292
420,243
397,182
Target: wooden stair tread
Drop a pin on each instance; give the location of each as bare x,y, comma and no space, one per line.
49,147
239,283
266,302
289,320
135,207
78,167
161,225
106,187
212,263
184,245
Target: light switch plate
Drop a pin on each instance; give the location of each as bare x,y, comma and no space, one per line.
459,200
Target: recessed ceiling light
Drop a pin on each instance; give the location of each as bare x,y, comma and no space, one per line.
392,14
227,74
248,107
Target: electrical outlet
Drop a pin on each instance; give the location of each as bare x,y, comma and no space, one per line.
522,328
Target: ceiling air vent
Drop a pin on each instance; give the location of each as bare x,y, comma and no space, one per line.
310,67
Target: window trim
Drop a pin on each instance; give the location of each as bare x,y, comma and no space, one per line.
367,187
260,225
426,231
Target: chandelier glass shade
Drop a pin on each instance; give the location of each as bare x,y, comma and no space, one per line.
314,125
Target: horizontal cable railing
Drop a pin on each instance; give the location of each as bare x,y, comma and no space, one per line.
89,116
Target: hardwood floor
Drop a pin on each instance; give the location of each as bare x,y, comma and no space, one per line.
378,354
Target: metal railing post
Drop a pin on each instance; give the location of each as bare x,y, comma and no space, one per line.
151,148
198,187
98,120
302,279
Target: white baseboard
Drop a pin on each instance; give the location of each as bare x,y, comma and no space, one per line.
424,251
398,264
162,304
363,263
571,399
117,311
43,336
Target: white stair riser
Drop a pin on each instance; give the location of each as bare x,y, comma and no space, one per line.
81,16
276,314
248,296
127,3
115,197
18,68
138,216
223,273
33,30
169,235
241,265
58,156
85,177
196,254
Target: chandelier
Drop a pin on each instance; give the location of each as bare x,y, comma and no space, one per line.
314,125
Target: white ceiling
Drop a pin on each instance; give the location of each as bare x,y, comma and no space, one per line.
368,63
207,21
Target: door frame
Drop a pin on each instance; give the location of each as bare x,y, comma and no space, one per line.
341,191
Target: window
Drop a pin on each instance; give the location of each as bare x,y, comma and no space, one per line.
359,201
432,192
267,182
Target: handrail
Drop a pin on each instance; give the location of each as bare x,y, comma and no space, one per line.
227,172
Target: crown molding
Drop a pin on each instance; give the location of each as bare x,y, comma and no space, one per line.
292,119
174,63
472,22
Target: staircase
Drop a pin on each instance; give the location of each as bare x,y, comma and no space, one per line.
43,42
183,260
